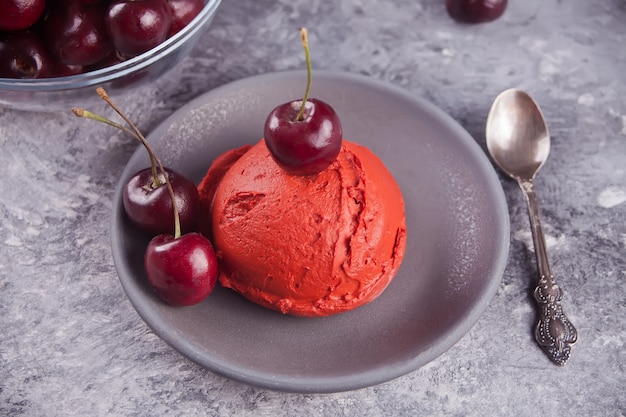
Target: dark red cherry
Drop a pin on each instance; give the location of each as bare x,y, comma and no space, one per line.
475,11
149,207
183,12
23,55
136,26
20,14
77,34
182,271
303,146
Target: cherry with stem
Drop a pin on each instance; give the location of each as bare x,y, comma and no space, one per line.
147,198
154,160
182,269
304,136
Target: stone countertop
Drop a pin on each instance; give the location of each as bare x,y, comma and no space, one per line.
72,344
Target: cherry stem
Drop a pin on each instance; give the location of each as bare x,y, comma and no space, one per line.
136,133
156,182
93,116
304,37
153,159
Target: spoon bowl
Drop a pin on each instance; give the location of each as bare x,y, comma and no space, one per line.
519,143
517,135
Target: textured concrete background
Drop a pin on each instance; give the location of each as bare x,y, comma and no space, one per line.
72,345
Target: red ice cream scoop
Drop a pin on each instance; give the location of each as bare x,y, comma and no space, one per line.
305,245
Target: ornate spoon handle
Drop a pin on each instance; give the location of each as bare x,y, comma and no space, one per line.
554,332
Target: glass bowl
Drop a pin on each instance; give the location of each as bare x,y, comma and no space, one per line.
62,93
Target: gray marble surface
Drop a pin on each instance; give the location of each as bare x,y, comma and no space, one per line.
72,344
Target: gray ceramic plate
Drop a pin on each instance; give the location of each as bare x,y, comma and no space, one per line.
458,240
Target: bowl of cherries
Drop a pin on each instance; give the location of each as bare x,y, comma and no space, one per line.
54,53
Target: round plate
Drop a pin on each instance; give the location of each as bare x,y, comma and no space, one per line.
457,246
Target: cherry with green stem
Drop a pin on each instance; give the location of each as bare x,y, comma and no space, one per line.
147,197
181,268
304,136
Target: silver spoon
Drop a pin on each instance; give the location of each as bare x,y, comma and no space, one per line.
519,143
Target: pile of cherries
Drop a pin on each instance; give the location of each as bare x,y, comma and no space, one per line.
56,38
